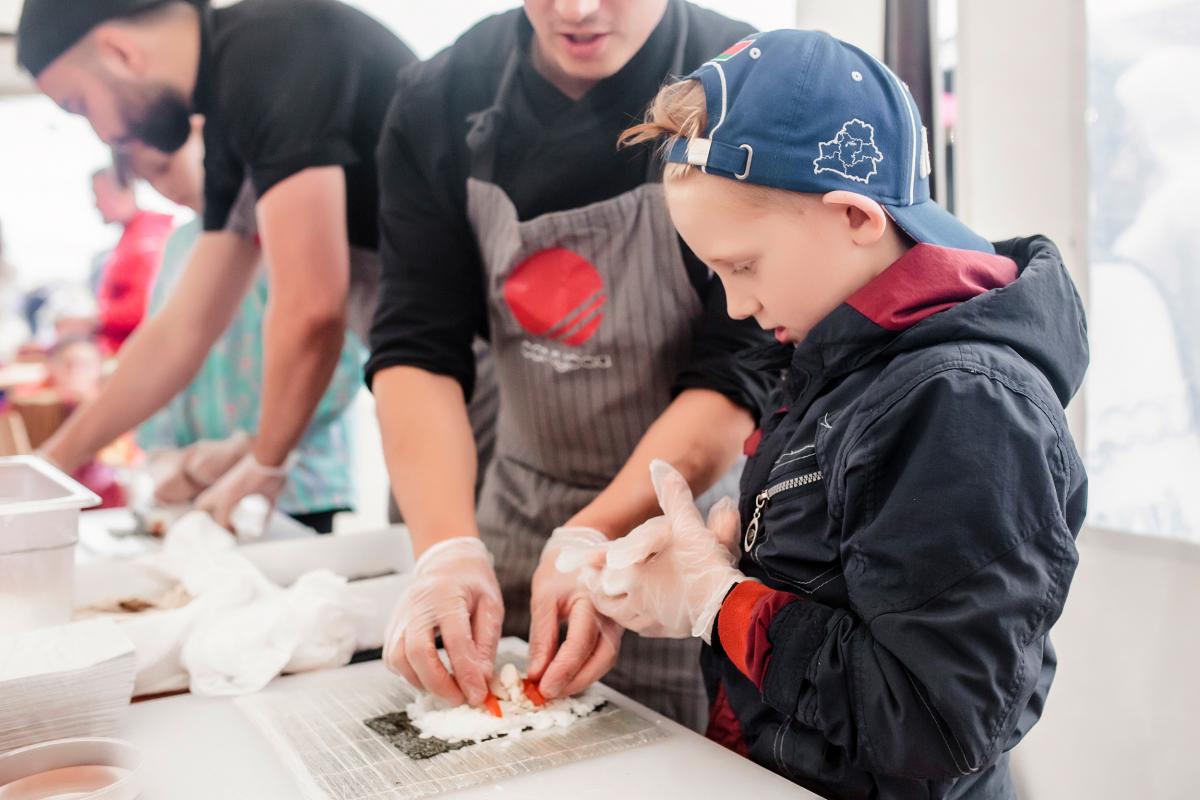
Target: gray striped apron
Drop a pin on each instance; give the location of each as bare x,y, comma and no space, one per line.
592,316
365,268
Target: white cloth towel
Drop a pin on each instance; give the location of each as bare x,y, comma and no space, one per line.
240,630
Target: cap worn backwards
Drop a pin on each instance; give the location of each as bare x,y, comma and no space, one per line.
803,111
49,28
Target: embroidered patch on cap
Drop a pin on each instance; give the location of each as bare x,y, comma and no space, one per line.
734,50
851,153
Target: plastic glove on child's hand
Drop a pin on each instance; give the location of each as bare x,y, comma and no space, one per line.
669,576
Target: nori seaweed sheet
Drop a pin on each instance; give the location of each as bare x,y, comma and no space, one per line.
399,730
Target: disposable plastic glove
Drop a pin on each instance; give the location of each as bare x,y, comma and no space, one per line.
669,576
246,478
453,592
180,475
170,484
593,640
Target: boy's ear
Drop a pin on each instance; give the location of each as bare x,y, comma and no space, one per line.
865,219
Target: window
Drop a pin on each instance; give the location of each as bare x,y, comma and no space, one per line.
1143,401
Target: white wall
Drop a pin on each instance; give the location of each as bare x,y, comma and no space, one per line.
1022,148
1121,720
1021,163
10,12
859,22
12,80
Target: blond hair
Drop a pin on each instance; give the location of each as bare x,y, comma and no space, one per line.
680,111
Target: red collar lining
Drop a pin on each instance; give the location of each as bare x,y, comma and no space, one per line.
929,279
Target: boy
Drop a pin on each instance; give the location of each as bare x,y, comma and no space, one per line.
879,628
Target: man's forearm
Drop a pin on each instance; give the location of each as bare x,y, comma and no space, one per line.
430,453
165,352
700,434
300,353
154,366
302,222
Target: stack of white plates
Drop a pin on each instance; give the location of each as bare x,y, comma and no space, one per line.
70,680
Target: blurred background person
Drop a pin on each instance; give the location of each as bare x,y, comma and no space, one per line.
69,310
206,428
302,133
75,368
129,270
74,375
14,331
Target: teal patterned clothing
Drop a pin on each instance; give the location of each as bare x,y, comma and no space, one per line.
224,396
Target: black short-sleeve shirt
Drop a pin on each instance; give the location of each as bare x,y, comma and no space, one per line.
286,85
552,154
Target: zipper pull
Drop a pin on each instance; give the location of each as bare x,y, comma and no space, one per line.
752,529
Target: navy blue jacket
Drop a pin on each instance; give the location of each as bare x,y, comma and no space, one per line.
911,507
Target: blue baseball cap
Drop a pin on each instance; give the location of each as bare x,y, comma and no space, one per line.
803,111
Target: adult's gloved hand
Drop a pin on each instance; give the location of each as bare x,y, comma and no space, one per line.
593,640
180,475
453,592
669,576
246,478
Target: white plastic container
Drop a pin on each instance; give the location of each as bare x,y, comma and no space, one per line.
39,526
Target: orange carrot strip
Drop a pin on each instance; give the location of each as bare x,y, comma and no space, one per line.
531,691
492,705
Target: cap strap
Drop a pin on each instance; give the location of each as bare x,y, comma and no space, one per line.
713,157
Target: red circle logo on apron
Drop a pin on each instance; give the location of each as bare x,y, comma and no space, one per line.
558,294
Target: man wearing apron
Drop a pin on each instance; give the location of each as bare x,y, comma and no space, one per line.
294,93
507,210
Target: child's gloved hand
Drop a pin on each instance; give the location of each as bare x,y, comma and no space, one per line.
669,576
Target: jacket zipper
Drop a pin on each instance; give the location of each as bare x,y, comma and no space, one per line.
764,497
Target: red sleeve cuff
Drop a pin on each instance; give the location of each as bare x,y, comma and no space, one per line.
744,623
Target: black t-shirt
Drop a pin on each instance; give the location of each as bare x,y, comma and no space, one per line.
286,85
552,154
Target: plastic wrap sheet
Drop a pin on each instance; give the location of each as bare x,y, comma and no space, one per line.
319,732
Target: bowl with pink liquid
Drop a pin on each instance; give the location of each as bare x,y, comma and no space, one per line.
72,769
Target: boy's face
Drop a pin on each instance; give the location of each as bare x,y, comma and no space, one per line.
787,260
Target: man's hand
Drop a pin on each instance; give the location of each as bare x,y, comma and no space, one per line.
246,478
453,592
593,640
181,474
157,362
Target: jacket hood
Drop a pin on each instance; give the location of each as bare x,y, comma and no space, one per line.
1022,297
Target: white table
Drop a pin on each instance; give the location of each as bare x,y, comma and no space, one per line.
204,748
106,533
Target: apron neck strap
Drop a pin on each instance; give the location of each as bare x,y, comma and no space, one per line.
483,135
